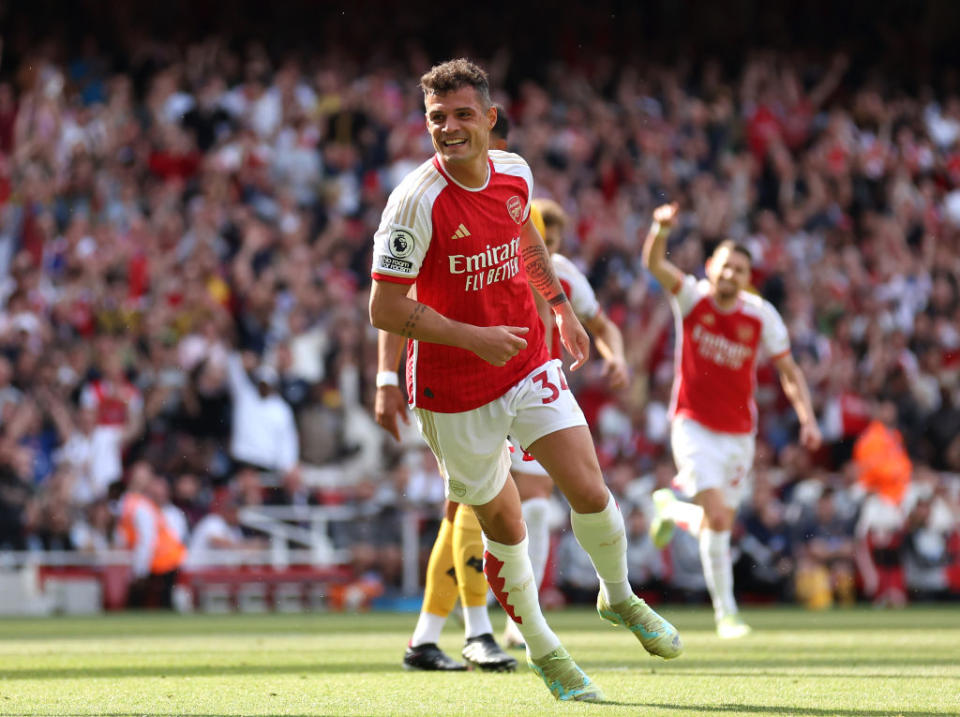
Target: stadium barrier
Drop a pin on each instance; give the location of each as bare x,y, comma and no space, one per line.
301,569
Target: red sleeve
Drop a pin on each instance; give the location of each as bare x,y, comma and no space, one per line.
393,279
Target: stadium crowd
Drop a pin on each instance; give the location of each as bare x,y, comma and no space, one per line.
185,246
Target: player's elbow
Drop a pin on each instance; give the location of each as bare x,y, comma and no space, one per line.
650,259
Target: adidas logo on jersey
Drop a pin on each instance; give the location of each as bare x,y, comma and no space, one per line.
461,232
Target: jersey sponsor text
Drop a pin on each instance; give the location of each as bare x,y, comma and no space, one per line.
719,349
492,265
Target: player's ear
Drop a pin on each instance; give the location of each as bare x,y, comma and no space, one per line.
492,115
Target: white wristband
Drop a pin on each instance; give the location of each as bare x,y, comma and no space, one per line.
387,378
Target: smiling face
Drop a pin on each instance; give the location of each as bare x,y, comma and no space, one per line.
729,273
459,125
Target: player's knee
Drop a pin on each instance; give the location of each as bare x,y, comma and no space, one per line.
590,497
508,529
718,520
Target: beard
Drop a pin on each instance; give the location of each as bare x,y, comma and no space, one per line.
726,291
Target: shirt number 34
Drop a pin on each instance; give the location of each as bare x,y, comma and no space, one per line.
547,385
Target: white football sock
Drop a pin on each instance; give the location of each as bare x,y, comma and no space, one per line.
510,575
688,516
536,513
604,538
428,629
476,621
718,570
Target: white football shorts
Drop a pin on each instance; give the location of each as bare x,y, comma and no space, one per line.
522,462
472,448
709,459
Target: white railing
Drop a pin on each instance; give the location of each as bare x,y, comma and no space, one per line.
16,559
284,526
310,526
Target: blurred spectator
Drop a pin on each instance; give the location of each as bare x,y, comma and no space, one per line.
930,524
17,503
92,452
375,534
217,538
91,532
926,554
825,567
766,565
51,517
880,456
291,491
9,394
186,496
117,404
879,538
264,434
157,553
158,491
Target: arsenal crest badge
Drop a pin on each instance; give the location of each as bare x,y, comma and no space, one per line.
515,207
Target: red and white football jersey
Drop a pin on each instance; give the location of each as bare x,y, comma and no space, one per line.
113,401
460,246
582,298
716,355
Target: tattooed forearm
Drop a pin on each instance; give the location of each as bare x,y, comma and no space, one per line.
540,273
408,328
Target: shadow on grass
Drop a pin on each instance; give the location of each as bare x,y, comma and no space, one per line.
687,709
796,676
153,714
168,671
767,665
770,710
839,667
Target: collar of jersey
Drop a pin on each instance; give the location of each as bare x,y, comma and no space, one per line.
732,309
445,173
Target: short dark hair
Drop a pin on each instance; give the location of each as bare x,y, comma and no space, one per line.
451,75
735,246
502,127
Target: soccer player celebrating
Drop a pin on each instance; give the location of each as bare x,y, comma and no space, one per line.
720,327
455,567
477,366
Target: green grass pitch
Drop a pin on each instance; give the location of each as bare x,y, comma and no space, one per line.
860,662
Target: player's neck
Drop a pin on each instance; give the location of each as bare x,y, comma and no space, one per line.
472,175
726,303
